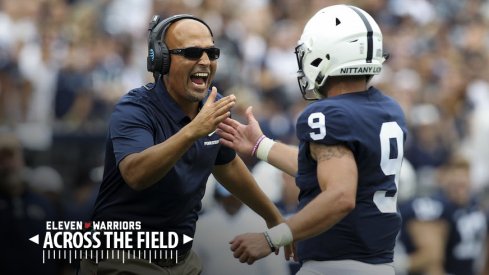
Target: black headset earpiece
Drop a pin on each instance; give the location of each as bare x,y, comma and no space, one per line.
158,60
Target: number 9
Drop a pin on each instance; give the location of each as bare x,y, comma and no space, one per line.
389,166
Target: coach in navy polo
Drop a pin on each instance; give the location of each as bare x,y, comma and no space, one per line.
161,147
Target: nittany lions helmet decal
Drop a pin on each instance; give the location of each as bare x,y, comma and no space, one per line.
338,40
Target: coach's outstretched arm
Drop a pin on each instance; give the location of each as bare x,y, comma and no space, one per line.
249,140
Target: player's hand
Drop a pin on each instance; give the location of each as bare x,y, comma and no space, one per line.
250,247
290,253
212,113
238,136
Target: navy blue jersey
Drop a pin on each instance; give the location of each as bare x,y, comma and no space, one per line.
142,118
466,235
373,127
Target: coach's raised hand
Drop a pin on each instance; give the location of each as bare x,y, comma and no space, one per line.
212,113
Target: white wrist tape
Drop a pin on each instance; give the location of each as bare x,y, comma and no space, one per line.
264,148
280,235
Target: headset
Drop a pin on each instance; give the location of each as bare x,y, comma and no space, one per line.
158,60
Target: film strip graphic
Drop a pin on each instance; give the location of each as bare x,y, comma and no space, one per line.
111,254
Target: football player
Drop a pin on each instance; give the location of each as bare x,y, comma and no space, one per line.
349,158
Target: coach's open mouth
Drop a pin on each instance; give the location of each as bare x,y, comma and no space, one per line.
199,79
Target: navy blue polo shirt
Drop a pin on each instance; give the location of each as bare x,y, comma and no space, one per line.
142,118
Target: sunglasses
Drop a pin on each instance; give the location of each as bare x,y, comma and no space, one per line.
196,52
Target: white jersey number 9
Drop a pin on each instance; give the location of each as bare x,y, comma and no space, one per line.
317,122
390,166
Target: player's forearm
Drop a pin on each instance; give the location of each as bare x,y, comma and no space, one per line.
327,209
142,170
284,157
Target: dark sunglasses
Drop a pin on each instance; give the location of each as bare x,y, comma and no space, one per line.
196,52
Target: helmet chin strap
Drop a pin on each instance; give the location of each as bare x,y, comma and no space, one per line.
318,94
320,87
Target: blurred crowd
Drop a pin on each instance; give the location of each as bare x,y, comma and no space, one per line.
64,63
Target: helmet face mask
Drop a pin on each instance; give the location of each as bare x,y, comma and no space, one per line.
302,80
306,84
338,40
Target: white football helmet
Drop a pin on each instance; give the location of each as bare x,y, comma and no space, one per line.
338,40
